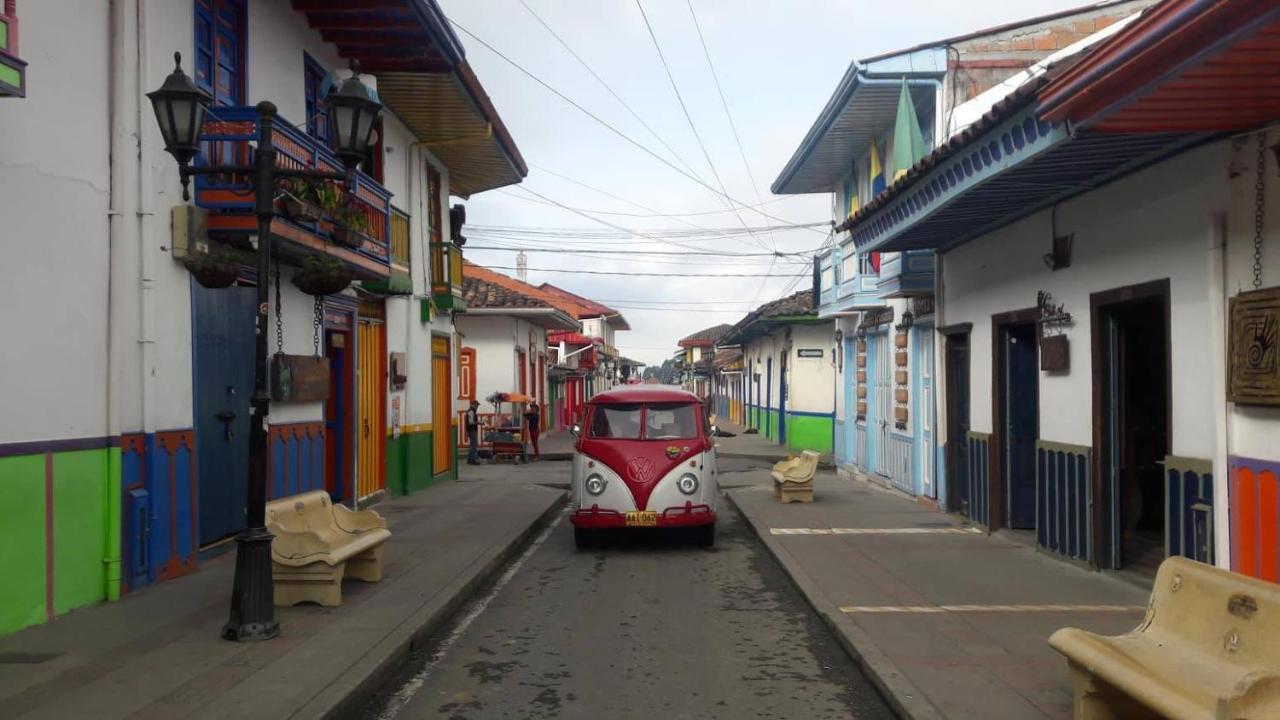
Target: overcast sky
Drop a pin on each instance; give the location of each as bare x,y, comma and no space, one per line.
778,62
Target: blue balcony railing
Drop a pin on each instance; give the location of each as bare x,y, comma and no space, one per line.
230,133
906,274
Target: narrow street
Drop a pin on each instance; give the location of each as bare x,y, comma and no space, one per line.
640,627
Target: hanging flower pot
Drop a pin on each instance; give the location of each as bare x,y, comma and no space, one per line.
351,227
323,275
216,268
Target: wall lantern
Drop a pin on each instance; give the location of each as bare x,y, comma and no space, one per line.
180,108
862,333
908,319
839,336
352,114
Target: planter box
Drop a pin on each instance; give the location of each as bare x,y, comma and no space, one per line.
296,209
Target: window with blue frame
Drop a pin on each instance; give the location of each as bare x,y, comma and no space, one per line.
313,82
221,37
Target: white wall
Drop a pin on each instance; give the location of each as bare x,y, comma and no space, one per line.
1153,225
811,381
54,198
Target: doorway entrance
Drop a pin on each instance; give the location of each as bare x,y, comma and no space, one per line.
338,346
782,396
959,493
223,368
442,406
1131,424
1017,417
371,430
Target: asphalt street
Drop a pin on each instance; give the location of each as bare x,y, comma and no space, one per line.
641,627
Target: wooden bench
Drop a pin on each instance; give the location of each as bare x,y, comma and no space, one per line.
1209,647
318,543
793,477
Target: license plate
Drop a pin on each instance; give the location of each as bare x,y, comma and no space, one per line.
642,518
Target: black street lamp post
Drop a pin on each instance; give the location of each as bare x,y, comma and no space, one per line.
180,109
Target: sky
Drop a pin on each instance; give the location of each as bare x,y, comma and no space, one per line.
777,62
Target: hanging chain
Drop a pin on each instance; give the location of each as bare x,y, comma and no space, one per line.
279,314
317,321
1259,210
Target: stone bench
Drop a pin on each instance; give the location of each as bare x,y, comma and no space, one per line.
317,544
1209,647
793,477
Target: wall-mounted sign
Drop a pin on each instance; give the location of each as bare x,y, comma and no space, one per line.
1055,353
399,375
1254,377
809,352
299,378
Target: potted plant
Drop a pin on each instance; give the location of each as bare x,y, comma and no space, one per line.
322,275
351,227
301,200
216,267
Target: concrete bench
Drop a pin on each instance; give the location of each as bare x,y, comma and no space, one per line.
1209,647
793,477
318,543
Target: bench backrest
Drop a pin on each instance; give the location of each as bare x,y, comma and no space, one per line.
1232,616
311,511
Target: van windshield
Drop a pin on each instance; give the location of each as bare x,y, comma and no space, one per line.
670,422
661,421
616,421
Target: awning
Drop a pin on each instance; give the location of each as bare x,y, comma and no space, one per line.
1006,166
862,107
424,77
1184,66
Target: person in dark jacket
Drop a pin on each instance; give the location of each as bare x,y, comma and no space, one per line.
533,417
473,433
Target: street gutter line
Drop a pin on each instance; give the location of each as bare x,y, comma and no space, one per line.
857,609
411,686
875,531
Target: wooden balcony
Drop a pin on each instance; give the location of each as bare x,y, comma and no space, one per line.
906,274
400,281
230,133
446,276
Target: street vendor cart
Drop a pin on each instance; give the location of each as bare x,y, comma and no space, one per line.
507,435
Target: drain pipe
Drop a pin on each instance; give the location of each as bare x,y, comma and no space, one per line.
146,248
118,234
1219,291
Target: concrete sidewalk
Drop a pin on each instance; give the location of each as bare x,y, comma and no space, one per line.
948,621
752,445
157,653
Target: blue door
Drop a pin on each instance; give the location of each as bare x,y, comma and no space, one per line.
768,395
850,407
874,416
1021,406
782,398
222,324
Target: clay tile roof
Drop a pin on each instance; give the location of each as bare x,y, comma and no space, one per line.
484,288
800,303
587,308
706,336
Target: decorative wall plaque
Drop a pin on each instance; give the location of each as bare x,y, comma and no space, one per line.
1254,375
1055,355
299,378
399,375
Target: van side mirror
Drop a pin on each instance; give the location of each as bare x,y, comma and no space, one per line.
576,430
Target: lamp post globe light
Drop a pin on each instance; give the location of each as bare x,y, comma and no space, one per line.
181,108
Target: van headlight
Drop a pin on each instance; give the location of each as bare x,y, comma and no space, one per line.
688,484
595,484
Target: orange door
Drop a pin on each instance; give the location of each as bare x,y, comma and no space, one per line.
441,406
371,427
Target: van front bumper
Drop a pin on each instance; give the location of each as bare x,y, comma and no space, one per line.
687,515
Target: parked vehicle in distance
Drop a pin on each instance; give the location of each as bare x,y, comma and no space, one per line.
644,457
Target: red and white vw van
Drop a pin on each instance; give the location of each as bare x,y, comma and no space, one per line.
644,457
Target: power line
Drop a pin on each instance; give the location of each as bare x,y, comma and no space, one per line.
725,104
689,118
703,253
597,118
646,274
647,215
607,87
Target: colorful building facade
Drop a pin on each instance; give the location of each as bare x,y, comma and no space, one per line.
124,436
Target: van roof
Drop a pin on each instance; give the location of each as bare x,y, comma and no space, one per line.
645,394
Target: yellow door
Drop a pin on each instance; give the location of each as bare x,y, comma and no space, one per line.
441,406
371,428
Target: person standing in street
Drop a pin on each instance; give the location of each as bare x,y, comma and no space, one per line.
473,433
533,417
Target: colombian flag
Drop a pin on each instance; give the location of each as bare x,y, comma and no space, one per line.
877,172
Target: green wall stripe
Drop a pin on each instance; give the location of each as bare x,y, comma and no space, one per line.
79,528
22,564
